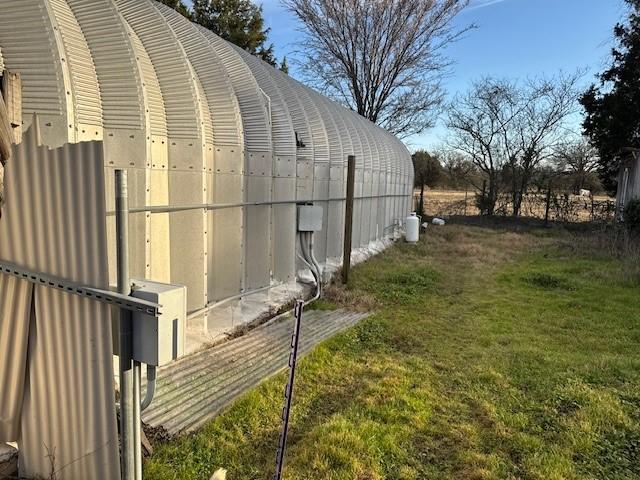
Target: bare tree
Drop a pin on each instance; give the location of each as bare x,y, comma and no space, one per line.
509,129
382,58
579,159
477,121
460,173
544,105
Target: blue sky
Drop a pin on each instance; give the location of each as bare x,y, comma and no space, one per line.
514,39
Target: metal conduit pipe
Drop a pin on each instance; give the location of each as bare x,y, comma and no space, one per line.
315,263
151,387
223,206
306,258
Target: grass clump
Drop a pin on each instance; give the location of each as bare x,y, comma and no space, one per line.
548,281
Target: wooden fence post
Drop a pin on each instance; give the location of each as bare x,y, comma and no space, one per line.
548,206
348,218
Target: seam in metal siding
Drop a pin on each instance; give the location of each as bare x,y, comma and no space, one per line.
54,222
281,115
115,63
157,113
204,108
29,47
253,102
84,81
177,85
225,113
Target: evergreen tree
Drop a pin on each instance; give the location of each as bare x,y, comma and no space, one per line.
284,66
427,172
238,21
612,119
179,6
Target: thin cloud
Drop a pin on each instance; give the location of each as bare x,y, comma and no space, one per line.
476,4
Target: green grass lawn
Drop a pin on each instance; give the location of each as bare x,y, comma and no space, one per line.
494,353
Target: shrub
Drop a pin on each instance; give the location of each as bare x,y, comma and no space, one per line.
632,215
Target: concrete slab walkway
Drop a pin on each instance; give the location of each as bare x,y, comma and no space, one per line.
194,389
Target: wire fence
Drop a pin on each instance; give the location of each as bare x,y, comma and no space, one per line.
551,206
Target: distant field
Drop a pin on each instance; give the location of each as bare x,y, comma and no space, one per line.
498,351
452,202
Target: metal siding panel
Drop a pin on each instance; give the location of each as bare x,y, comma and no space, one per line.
14,325
321,153
188,126
283,231
227,249
361,152
256,117
55,223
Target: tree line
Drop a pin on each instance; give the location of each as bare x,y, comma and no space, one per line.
570,168
511,137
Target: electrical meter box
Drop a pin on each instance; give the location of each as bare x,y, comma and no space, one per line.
159,340
309,218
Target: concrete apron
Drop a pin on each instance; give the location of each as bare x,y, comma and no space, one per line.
193,390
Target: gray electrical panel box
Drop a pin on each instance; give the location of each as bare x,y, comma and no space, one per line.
309,218
159,340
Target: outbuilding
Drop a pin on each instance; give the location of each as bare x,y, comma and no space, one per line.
628,180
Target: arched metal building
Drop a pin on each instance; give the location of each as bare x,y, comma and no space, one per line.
198,121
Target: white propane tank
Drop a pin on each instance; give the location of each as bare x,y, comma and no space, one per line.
413,229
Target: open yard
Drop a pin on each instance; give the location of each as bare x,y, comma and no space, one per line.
497,351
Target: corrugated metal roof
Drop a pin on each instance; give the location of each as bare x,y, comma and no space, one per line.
225,112
317,126
283,119
30,46
54,223
115,62
80,61
184,118
256,117
155,102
